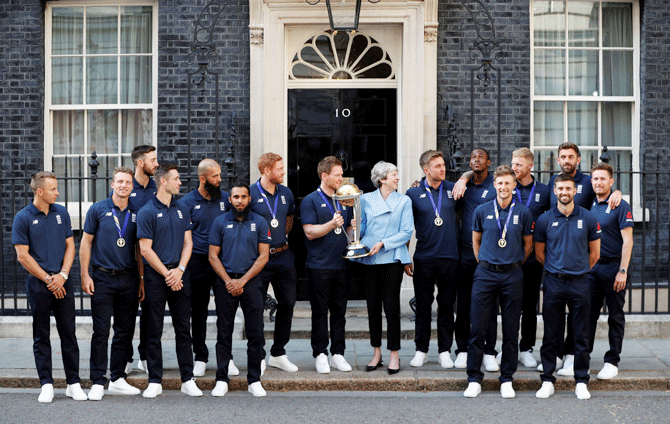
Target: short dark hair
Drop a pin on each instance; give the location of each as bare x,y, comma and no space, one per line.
502,171
569,146
488,157
240,184
326,165
427,156
562,177
602,166
140,151
162,170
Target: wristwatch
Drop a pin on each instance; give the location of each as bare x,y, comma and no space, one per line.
622,270
64,275
182,268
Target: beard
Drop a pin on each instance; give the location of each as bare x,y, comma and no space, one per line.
243,213
564,202
148,170
214,191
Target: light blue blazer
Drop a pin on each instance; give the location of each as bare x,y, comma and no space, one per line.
390,221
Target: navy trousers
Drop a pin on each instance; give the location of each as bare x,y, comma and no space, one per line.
532,278
280,271
428,274
42,304
114,295
575,294
252,302
487,287
601,282
328,293
179,302
466,271
202,278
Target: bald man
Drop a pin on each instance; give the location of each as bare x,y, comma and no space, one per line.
205,204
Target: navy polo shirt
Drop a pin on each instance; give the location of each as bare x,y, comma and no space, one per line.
324,252
44,235
141,195
567,239
612,221
285,207
203,213
100,223
433,242
239,240
165,226
520,224
475,195
584,195
539,204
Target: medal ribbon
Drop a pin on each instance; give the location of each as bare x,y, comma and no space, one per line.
503,232
323,196
439,198
267,202
530,197
118,226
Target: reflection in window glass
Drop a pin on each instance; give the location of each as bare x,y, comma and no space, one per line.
102,30
548,117
583,123
549,23
583,70
550,72
583,24
67,34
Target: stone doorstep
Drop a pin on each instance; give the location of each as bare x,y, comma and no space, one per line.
405,380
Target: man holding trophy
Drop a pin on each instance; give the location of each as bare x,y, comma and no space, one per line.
323,221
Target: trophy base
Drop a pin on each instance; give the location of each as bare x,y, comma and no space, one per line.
356,251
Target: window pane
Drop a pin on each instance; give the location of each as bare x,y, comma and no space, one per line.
136,29
102,80
548,119
68,135
617,124
550,72
136,79
136,129
102,180
67,35
617,24
545,161
583,24
582,123
67,81
621,162
102,30
589,158
103,129
583,70
70,168
618,73
549,23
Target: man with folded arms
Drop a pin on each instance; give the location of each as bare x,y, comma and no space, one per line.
109,246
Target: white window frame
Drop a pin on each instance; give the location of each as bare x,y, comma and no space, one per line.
49,108
634,100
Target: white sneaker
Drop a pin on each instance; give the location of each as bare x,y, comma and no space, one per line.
568,362
559,365
526,358
199,368
322,366
97,392
233,370
121,387
142,366
419,359
340,363
47,394
282,362
545,391
499,358
129,368
445,360
507,391
257,389
190,388
461,361
75,392
566,371
608,372
582,392
473,390
490,363
263,367
153,390
220,389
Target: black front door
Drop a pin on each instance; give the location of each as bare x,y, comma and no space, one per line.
358,126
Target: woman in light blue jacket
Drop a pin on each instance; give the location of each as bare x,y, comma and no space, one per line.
387,223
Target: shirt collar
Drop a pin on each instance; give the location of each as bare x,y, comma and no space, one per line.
230,216
487,181
519,185
604,201
575,212
162,205
150,184
33,209
110,204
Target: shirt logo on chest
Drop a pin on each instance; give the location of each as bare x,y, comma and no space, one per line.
579,189
489,216
222,206
36,221
516,220
160,215
554,224
422,196
133,194
196,207
108,214
580,224
260,201
59,220
133,217
283,200
449,195
180,215
537,198
253,226
323,205
229,226
484,194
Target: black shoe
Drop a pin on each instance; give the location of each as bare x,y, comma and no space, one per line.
369,368
394,371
